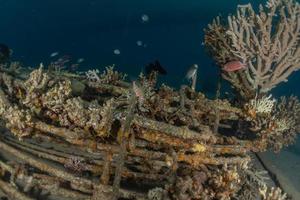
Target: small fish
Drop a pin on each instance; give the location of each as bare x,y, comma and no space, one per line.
5,53
233,66
138,91
117,51
63,60
145,18
80,60
156,66
191,72
73,67
139,43
54,54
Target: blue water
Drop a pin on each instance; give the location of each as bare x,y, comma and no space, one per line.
92,29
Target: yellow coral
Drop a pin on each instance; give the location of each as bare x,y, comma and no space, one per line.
199,148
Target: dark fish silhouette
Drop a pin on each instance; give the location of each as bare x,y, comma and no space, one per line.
4,53
156,66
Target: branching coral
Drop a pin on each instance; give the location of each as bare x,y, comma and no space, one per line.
272,194
285,124
132,139
19,121
109,76
263,105
11,68
57,95
267,42
254,187
136,136
38,79
167,143
92,75
275,124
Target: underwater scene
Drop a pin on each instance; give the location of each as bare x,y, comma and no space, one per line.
149,100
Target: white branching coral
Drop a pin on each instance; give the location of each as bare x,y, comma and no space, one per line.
109,76
267,42
37,79
283,124
272,194
262,105
19,121
92,75
276,123
56,96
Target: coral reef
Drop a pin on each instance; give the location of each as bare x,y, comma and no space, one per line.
109,76
167,141
267,42
72,136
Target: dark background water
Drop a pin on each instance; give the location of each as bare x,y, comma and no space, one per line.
92,29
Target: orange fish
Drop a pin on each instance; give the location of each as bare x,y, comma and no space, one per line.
233,66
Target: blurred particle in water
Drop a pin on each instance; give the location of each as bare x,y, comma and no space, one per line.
54,54
139,43
80,60
145,18
117,52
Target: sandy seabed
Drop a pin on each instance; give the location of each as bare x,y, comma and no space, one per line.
286,167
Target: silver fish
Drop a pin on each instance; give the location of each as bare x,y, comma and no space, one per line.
54,54
191,72
80,60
